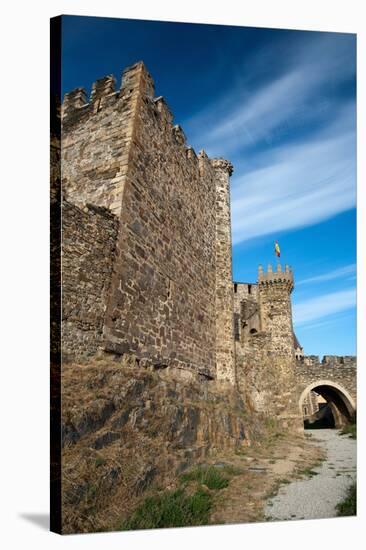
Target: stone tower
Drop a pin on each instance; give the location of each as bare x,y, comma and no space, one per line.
275,310
275,313
225,349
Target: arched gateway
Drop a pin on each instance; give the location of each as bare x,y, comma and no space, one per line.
327,390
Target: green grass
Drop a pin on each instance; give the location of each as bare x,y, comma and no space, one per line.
348,506
171,509
179,509
351,430
206,475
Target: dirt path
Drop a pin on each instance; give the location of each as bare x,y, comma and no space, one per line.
317,495
263,469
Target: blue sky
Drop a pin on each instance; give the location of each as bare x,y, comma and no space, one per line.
281,105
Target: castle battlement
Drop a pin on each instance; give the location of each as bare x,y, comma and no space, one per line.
169,297
135,78
103,87
77,108
276,277
329,361
222,164
163,109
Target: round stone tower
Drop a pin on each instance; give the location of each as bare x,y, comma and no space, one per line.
275,310
275,313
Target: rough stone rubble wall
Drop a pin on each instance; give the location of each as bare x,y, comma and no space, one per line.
310,404
276,312
225,347
266,359
96,140
341,370
162,304
88,247
246,311
122,151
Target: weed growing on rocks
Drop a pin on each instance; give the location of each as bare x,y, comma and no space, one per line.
206,475
350,430
348,506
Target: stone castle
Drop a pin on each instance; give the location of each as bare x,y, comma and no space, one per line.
147,260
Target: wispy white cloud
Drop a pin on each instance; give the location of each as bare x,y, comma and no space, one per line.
329,321
330,275
320,324
285,183
249,113
259,117
323,306
302,185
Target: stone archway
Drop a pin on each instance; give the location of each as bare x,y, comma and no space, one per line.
340,402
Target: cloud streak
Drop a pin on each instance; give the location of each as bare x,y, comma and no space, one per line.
292,144
301,186
330,275
323,306
250,113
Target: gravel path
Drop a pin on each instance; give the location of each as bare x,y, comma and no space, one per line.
316,497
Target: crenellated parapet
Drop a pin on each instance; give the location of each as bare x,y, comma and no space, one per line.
311,360
179,135
339,360
277,277
221,164
170,297
135,79
101,89
74,101
330,361
77,107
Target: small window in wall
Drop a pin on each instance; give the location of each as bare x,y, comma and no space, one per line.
305,410
253,331
235,288
249,289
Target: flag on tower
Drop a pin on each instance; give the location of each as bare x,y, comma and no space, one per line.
277,249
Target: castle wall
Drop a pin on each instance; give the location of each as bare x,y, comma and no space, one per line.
96,140
310,404
162,304
246,311
122,151
225,347
341,370
88,247
265,354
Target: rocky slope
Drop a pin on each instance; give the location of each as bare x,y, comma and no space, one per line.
127,431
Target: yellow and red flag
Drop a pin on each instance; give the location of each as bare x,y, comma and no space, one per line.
277,249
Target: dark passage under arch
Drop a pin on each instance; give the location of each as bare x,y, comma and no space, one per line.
333,409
